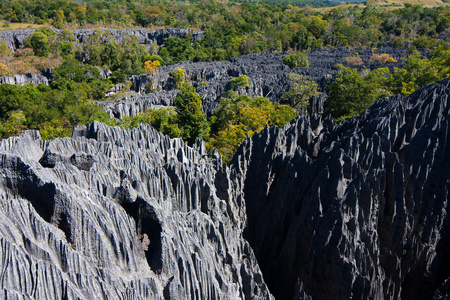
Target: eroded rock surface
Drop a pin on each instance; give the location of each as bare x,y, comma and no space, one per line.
120,214
357,210
267,74
15,38
30,78
316,210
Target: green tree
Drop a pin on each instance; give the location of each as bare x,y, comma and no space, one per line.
239,82
192,120
39,43
179,76
14,125
302,89
353,91
66,49
164,120
296,59
419,71
72,70
239,116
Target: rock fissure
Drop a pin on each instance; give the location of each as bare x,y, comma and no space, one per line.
315,210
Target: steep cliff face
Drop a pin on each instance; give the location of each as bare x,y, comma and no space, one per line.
113,213
143,36
15,38
357,210
315,210
266,72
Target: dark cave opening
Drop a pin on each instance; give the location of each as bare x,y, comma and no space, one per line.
147,226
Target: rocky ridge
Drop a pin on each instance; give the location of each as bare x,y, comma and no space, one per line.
266,71
316,210
113,214
357,210
15,38
30,78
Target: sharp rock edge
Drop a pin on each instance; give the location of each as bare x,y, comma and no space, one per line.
16,38
357,210
268,77
120,214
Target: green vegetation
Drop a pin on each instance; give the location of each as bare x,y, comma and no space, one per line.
353,90
239,82
231,29
239,116
302,89
52,111
164,120
179,76
39,43
192,120
296,59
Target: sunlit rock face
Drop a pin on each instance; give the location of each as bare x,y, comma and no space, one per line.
356,210
30,78
315,210
113,213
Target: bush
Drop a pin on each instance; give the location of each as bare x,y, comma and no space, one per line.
424,42
239,116
399,43
353,60
296,59
302,89
352,91
239,82
39,43
382,58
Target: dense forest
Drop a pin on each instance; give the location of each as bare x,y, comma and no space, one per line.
231,29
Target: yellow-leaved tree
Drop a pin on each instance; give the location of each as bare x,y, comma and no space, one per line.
150,66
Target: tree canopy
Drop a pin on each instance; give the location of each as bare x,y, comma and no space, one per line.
301,91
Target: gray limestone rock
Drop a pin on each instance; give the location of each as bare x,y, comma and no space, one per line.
30,78
316,210
113,214
15,38
357,210
266,72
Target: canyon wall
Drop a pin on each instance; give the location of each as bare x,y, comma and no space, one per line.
15,38
114,214
268,77
357,210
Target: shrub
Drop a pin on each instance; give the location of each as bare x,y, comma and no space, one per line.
4,70
239,82
353,60
302,89
382,58
150,66
296,59
424,42
179,76
399,43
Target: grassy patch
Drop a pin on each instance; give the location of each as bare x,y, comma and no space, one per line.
4,25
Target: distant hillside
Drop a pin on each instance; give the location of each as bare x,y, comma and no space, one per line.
394,3
389,4
301,3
